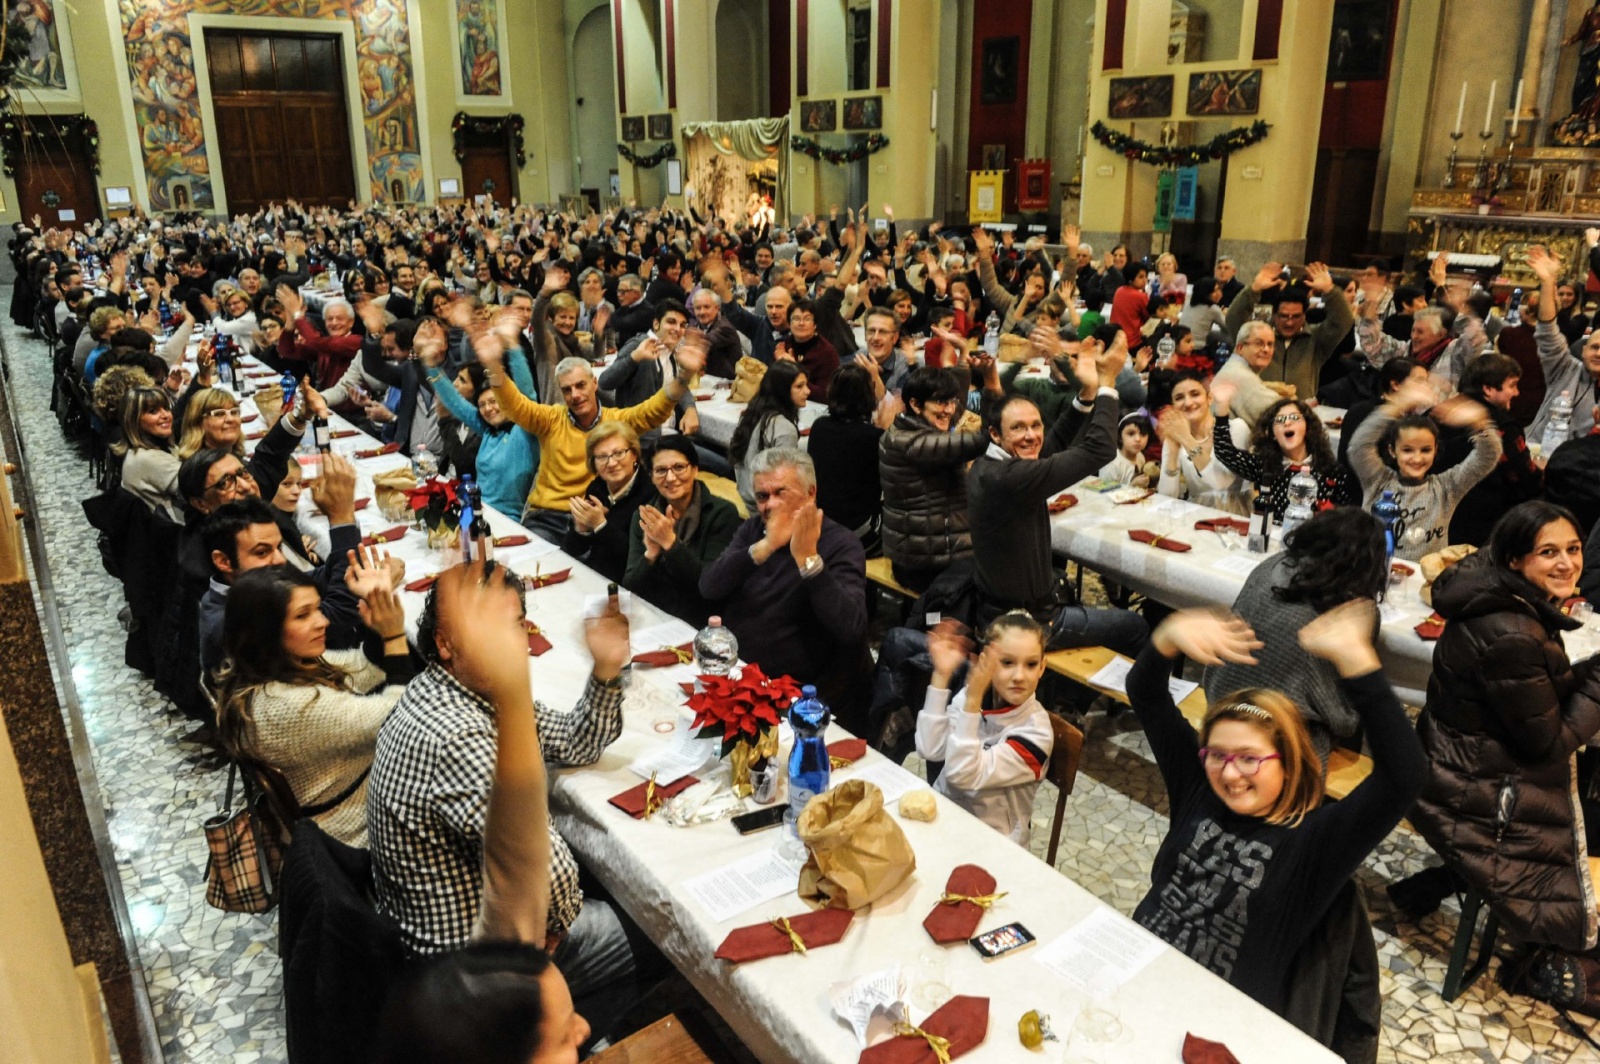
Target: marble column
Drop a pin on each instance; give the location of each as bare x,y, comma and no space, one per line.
1533,60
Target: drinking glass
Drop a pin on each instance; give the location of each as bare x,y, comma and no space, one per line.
932,986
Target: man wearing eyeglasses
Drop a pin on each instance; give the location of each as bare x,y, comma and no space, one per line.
1298,353
678,532
1252,352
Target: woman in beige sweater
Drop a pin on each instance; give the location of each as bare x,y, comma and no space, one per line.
289,705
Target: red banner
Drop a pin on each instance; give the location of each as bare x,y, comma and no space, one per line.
1033,185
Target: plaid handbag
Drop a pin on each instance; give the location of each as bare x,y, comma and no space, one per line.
245,858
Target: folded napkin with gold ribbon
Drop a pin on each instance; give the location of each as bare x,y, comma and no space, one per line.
679,655
786,934
261,435
537,643
1164,542
359,504
538,579
260,374
1200,1051
846,752
1432,627
510,541
1062,503
1223,524
388,535
343,434
374,452
968,893
954,1029
649,795
423,584
249,418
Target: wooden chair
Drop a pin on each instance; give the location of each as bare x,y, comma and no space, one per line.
1065,757
724,489
675,1039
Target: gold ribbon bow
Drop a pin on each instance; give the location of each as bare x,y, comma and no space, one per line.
982,901
651,802
835,761
683,656
782,924
1155,540
940,1046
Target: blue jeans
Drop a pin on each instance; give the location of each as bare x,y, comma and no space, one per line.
549,525
1080,626
608,964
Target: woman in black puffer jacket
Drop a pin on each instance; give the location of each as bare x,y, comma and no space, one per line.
923,469
1506,714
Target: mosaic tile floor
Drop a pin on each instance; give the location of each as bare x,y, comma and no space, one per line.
216,979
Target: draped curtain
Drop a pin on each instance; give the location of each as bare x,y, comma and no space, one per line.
720,183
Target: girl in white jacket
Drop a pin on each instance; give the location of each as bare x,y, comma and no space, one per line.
994,737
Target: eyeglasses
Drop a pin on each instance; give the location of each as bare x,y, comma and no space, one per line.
1247,764
223,413
677,469
611,456
1287,419
228,481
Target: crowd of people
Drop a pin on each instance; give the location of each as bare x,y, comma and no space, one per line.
556,359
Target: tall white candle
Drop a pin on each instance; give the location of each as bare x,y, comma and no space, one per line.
1461,108
1516,109
1488,114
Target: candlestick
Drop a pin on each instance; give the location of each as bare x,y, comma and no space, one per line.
1450,164
1480,171
1488,114
1516,109
1461,110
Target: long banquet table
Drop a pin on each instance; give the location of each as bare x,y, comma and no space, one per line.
779,1006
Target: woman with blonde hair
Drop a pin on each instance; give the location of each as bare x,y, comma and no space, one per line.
211,419
1254,863
603,515
1167,281
149,465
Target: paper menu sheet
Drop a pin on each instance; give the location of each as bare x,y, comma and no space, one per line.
666,634
732,889
673,760
890,778
1114,677
1101,952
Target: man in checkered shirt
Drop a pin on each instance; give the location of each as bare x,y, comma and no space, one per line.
429,795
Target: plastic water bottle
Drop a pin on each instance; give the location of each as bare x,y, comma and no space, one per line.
423,464
991,333
288,383
715,649
1302,501
1166,347
1387,511
809,768
1514,308
1558,428
465,495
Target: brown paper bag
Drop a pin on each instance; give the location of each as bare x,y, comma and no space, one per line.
389,492
746,379
269,402
1014,348
858,852
1437,562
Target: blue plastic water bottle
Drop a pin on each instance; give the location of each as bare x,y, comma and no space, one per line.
465,496
808,760
1387,511
288,383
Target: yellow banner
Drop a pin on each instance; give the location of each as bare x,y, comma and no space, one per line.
985,196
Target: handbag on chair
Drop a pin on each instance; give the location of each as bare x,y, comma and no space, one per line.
245,854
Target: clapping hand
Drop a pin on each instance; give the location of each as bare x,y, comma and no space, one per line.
368,571
381,611
1207,637
949,648
1319,279
1343,637
659,530
587,514
429,343
1545,265
806,532
1269,276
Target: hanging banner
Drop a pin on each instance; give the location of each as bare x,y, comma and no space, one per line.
1184,200
984,196
1033,185
1166,183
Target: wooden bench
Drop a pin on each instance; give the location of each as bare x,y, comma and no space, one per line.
676,1039
881,572
724,489
1346,768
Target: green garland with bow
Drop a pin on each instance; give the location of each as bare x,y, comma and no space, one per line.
1192,155
651,161
874,143
78,133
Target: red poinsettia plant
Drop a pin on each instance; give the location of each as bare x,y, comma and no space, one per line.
436,501
741,708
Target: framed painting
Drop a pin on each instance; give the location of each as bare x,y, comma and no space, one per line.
999,84
46,71
660,127
632,128
863,112
1358,48
819,116
481,38
1225,92
674,177
1143,97
992,157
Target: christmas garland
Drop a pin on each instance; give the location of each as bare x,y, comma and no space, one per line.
463,123
1193,155
874,143
651,161
77,131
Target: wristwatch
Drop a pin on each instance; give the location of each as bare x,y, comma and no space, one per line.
811,567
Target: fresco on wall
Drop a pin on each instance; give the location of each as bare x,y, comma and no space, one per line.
167,107
478,46
35,22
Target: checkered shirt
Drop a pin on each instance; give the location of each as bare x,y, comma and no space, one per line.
429,796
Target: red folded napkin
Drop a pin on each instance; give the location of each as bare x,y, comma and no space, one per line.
702,397
956,919
343,434
846,752
963,1021
537,643
1063,502
1164,542
821,928
686,688
422,585
1199,1051
1567,606
260,374
256,435
1223,524
248,418
1400,569
679,655
361,504
534,583
374,452
1432,627
631,801
510,541
388,535
1336,423
805,432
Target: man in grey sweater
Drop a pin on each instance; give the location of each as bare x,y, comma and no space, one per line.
1563,374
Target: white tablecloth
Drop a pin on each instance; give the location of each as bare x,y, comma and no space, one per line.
719,417
779,1006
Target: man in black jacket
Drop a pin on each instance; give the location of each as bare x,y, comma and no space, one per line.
646,362
634,313
1008,488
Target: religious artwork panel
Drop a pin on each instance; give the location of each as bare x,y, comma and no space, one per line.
1225,92
1000,70
44,69
819,116
1581,126
478,46
166,104
1146,97
632,128
1358,49
863,112
661,127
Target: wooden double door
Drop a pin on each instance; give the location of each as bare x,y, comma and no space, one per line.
282,122
54,179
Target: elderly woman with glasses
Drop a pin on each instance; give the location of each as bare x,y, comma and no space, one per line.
681,529
602,514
